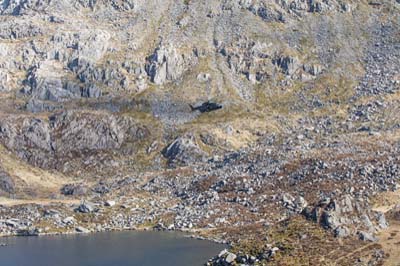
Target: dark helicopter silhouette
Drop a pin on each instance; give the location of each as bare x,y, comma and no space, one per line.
206,107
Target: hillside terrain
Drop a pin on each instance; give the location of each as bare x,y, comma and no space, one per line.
270,125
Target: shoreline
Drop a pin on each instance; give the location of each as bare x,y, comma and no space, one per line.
186,233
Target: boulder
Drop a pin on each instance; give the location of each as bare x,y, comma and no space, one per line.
74,190
51,213
230,258
102,188
109,203
342,231
86,207
184,150
364,236
13,223
382,222
69,220
330,219
82,230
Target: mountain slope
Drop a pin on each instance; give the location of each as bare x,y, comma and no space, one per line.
237,115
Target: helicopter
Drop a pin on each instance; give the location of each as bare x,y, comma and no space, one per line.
206,107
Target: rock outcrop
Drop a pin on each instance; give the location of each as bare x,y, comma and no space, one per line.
40,141
169,64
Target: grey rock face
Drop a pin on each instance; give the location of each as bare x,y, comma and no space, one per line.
118,5
19,29
17,7
315,6
88,45
345,215
48,82
288,64
226,258
31,138
6,183
249,58
168,64
38,141
85,131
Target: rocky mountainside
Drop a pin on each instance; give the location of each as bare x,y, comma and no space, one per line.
272,125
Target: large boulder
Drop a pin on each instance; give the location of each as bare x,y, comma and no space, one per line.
86,207
74,190
184,150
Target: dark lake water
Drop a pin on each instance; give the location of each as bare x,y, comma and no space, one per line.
107,249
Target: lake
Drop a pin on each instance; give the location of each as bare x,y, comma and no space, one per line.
130,248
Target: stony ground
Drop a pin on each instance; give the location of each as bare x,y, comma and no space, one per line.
269,125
